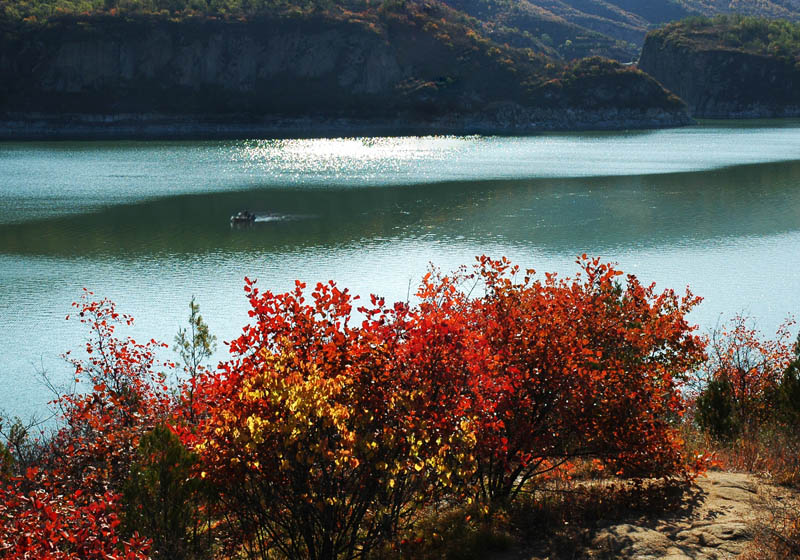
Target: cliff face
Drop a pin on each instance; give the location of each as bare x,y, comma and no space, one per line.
199,68
109,70
719,82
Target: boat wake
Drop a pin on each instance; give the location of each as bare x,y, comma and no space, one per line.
265,218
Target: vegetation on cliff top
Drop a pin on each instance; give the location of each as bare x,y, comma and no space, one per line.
546,33
566,29
44,10
735,32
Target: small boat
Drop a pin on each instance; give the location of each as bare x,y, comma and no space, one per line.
244,217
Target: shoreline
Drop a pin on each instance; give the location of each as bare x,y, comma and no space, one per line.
514,120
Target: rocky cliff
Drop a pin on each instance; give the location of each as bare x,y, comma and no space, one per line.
127,67
719,80
399,70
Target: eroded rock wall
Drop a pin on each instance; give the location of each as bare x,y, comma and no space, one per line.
724,83
198,68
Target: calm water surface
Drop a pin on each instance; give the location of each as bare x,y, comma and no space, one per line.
715,207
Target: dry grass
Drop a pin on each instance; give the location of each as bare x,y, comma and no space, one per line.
778,536
768,451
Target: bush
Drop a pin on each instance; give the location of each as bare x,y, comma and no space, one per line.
162,498
39,518
64,502
128,397
748,369
748,401
317,436
584,367
788,393
716,411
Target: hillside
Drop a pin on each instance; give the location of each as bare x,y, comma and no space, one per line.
566,29
612,28
728,66
420,65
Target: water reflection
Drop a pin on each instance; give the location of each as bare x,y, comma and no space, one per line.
552,215
49,179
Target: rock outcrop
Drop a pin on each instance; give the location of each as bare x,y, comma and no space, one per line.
722,82
720,526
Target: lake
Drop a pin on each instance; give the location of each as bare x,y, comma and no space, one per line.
715,207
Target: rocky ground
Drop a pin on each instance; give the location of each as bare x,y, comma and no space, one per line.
717,519
717,522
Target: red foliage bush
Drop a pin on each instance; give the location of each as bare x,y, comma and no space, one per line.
570,368
100,429
69,506
41,519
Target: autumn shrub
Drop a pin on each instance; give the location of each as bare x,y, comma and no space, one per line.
579,368
325,435
739,382
747,402
315,435
333,429
64,498
770,450
100,429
